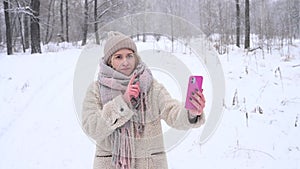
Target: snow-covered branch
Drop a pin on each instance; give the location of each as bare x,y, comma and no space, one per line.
22,10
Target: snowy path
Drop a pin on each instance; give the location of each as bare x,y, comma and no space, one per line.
43,132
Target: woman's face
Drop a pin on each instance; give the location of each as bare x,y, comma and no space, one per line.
124,61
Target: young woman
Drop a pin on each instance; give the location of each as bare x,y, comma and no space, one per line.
122,110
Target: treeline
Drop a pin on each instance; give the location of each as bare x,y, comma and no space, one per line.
28,24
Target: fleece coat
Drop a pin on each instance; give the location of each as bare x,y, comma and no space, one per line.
99,121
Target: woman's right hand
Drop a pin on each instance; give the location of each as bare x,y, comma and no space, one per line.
133,90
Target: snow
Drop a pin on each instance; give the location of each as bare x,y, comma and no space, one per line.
39,126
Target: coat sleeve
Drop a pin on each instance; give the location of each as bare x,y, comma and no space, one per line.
173,112
99,121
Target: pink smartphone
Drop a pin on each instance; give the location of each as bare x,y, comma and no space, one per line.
195,83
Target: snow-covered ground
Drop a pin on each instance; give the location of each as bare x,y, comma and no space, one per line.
260,127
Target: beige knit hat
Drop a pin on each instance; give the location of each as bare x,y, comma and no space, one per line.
115,42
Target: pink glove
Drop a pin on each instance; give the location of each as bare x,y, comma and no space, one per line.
133,90
198,100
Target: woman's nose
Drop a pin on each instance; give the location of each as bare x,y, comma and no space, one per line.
125,62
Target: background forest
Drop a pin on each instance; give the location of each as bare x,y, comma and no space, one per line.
39,22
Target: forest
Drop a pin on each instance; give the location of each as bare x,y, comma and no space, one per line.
30,24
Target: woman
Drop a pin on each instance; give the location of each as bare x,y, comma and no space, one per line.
123,108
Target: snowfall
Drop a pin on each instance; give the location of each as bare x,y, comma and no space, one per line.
259,128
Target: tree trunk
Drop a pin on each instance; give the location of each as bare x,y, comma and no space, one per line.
8,30
67,20
35,27
61,21
238,23
297,6
26,26
48,35
85,24
22,32
26,31
1,38
96,22
21,25
247,24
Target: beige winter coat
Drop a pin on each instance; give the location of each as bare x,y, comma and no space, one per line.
99,121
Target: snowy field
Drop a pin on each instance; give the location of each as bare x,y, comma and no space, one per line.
260,127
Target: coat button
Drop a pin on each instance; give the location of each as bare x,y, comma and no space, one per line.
121,109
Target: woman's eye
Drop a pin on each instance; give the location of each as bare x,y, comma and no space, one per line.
118,57
130,55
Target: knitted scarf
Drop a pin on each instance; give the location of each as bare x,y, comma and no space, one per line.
112,84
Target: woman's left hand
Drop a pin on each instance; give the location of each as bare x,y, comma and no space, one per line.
198,100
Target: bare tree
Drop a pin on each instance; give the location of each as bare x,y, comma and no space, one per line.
85,24
296,17
26,24
35,27
1,38
20,17
209,22
247,24
238,23
96,21
67,19
61,12
49,33
8,27
26,31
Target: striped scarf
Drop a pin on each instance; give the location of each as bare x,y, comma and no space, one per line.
112,84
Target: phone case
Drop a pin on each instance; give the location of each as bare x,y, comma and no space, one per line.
195,82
